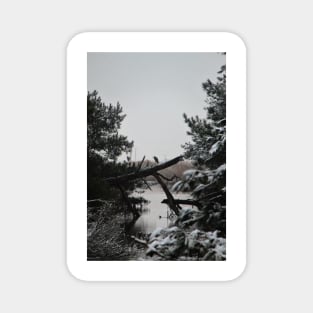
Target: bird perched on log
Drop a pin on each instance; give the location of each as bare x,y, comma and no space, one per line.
156,159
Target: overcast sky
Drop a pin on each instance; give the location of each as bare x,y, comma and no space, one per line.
154,89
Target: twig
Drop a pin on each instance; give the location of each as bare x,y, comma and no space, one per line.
145,182
210,194
168,179
207,255
219,196
140,165
97,200
143,242
193,220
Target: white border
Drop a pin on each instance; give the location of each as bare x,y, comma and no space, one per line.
77,157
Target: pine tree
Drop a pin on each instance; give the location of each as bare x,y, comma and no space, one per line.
208,151
208,146
103,124
104,145
199,233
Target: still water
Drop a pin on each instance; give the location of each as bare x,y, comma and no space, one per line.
155,213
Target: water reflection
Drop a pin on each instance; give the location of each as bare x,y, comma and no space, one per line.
156,214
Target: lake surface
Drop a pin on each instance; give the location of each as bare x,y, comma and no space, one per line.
155,213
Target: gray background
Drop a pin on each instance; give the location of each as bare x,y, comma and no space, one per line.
33,274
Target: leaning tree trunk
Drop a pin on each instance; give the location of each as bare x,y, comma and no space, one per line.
171,200
140,174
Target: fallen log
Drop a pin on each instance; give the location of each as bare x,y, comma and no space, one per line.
140,174
144,172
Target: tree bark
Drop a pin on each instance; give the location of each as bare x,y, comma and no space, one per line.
170,199
119,180
143,173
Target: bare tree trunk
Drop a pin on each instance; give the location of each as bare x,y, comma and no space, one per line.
171,200
143,173
139,174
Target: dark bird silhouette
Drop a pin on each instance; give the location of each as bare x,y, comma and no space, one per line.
156,159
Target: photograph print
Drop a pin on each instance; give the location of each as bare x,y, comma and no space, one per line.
156,156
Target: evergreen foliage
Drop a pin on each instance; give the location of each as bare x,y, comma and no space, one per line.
196,233
103,124
208,150
199,233
208,135
104,146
